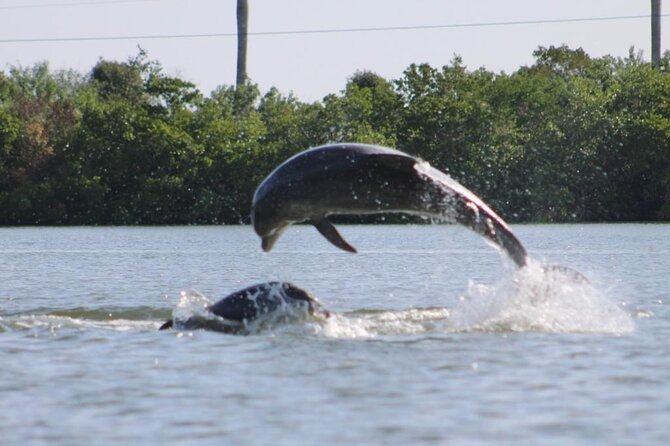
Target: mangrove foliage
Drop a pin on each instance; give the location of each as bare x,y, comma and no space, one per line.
569,138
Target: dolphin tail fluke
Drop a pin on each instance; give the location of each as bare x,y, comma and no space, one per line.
514,249
501,235
331,233
482,220
459,204
167,325
477,216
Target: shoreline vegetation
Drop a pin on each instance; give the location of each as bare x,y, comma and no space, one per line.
570,138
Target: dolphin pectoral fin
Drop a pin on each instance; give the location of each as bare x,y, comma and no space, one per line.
329,231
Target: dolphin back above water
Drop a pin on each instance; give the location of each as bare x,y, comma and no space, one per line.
233,313
366,179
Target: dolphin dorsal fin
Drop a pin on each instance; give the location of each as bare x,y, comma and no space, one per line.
329,231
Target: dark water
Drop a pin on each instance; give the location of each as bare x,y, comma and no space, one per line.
435,340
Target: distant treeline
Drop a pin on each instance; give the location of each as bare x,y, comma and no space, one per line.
570,138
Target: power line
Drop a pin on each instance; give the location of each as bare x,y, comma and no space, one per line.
328,31
73,3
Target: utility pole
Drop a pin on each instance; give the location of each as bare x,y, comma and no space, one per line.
242,20
656,32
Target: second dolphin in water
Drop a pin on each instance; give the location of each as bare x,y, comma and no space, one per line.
367,179
237,312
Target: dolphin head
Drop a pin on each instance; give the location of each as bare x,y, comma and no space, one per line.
318,182
294,292
267,218
270,219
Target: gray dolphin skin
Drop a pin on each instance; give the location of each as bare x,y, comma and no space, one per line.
237,309
367,179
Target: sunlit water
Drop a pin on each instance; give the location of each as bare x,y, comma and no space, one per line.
435,338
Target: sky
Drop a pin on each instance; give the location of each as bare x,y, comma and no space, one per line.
311,65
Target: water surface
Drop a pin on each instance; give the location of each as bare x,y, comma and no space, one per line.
435,338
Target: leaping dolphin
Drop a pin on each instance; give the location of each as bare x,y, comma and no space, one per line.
368,179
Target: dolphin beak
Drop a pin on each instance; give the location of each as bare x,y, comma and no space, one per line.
268,241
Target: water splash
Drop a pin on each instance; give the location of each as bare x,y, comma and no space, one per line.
541,298
537,298
374,323
191,303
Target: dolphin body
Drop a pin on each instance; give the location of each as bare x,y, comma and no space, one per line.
367,179
233,313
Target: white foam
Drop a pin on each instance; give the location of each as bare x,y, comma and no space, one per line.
540,298
191,303
536,298
55,323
